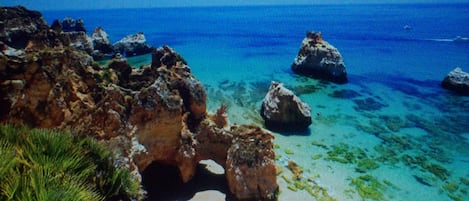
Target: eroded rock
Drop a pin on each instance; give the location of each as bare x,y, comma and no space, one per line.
71,25
283,110
249,163
319,59
458,81
101,43
156,113
133,45
18,25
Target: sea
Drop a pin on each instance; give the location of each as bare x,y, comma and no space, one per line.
390,133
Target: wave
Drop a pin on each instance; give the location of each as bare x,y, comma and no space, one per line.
457,39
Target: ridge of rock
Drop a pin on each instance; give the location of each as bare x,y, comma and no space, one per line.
155,113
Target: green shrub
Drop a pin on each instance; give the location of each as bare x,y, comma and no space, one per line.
39,164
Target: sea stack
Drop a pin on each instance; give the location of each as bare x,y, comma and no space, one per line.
458,81
133,45
284,111
319,59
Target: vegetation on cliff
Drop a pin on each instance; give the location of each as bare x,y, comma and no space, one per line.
40,164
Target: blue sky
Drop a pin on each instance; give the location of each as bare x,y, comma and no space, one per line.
98,4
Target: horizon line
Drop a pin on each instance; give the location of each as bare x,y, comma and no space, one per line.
244,5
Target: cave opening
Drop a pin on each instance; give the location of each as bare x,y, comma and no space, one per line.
163,183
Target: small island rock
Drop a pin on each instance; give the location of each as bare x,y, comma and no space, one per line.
458,81
319,59
283,110
133,45
101,43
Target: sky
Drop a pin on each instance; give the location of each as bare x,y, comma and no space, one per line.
100,4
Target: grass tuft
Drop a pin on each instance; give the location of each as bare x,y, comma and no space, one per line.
40,164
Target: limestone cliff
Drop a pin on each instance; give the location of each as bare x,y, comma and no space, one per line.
156,113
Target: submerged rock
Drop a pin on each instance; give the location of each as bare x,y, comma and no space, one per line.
282,110
319,59
133,45
458,81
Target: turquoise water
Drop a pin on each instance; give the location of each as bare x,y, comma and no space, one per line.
391,133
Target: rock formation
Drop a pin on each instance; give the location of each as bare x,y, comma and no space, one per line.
78,40
133,45
282,110
72,25
458,81
319,59
155,113
101,43
17,25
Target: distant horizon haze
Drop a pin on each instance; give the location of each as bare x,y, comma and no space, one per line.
113,4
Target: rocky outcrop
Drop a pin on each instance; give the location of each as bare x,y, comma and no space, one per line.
155,113
458,81
250,158
102,45
319,59
133,45
282,110
18,25
72,25
78,40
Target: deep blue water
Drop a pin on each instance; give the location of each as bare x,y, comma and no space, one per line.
392,107
370,37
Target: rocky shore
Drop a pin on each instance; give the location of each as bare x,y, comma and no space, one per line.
153,114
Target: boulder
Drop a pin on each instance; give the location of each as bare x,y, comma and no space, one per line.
72,25
458,81
282,110
250,163
101,43
18,25
122,69
319,59
133,45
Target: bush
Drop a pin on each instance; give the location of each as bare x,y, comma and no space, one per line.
40,164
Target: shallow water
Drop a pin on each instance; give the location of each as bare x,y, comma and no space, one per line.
391,133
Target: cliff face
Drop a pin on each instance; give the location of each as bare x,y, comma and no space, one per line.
156,113
18,24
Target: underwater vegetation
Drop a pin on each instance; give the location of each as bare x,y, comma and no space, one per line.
369,187
299,182
344,94
39,164
368,104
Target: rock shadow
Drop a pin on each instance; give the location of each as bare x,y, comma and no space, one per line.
163,183
290,132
